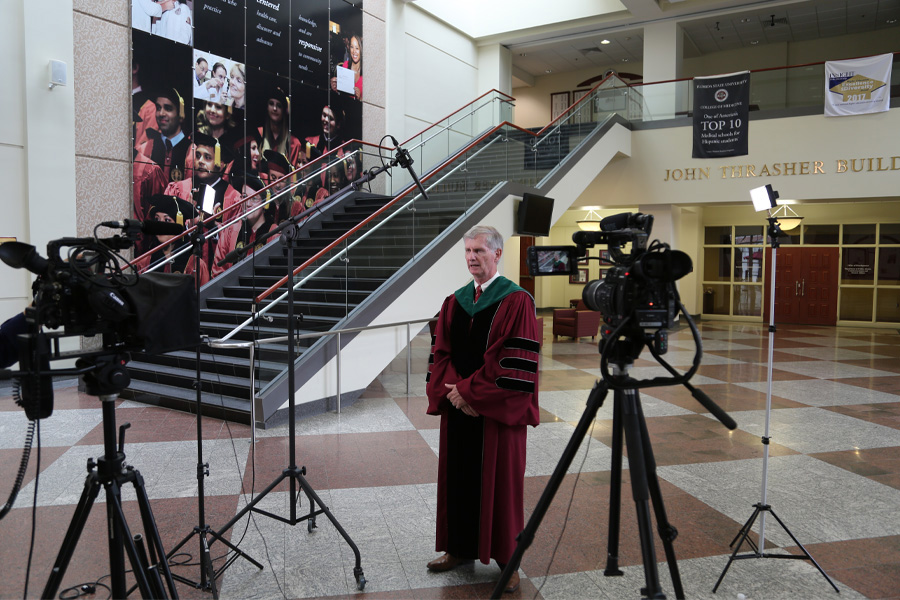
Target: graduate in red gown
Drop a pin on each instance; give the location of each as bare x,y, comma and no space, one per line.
246,232
169,209
483,382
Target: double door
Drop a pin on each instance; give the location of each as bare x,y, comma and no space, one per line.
806,285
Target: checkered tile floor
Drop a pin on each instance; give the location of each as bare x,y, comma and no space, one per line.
834,479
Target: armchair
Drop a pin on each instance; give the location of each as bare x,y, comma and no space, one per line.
576,322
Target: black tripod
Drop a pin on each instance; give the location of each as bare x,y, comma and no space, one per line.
293,473
628,419
148,562
208,573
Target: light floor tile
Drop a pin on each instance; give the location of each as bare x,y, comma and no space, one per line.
824,369
818,502
62,428
822,392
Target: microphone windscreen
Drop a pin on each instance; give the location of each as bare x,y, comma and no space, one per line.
615,222
154,227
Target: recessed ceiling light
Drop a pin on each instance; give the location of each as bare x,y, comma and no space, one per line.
547,71
754,42
624,60
891,21
745,20
604,42
523,54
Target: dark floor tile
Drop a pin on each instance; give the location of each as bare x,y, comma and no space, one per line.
415,407
869,566
881,364
11,459
689,439
879,464
729,397
175,518
345,461
746,373
889,385
887,414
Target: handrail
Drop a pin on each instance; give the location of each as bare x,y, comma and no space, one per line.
763,70
318,269
254,344
239,205
325,163
424,178
461,109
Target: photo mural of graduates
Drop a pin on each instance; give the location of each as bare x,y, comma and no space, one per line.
226,92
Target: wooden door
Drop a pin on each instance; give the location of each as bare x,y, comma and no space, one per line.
806,285
819,286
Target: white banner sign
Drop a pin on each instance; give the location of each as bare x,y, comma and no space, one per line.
858,86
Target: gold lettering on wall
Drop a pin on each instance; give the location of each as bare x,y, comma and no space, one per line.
872,164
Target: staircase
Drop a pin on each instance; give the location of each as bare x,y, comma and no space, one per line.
363,273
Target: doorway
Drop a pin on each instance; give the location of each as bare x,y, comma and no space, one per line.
526,281
806,285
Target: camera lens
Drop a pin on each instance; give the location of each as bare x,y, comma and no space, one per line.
595,295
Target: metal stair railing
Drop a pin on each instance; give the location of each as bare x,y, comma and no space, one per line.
503,132
341,255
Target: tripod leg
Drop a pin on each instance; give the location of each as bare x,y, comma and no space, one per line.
315,499
806,554
742,535
82,511
595,401
640,491
151,532
667,532
120,542
615,492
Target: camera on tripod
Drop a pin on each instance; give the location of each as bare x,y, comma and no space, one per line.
86,288
639,287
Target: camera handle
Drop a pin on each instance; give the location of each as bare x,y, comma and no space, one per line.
635,340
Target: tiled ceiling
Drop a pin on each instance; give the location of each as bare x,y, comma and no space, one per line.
708,34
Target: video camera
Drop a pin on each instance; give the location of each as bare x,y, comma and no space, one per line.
94,291
640,284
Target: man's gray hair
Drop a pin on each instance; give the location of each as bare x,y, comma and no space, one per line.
491,236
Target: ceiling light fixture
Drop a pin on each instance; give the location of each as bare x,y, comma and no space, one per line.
604,42
787,218
590,222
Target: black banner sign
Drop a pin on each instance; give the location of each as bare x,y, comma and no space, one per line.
310,43
721,107
219,27
268,35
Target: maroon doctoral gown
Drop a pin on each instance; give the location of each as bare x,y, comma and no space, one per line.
490,350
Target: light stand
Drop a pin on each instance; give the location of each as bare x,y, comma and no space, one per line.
762,507
208,572
296,475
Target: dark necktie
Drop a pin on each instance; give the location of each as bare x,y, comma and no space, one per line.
477,293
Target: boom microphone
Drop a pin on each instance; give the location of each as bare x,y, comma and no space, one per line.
405,161
152,227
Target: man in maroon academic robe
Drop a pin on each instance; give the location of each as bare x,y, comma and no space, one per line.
483,382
